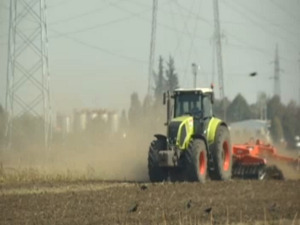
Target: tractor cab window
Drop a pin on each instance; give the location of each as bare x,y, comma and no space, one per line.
187,103
207,106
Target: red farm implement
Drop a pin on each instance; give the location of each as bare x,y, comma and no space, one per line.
256,160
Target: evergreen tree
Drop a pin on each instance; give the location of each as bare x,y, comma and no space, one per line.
289,122
135,110
171,75
239,109
2,125
275,108
160,82
276,130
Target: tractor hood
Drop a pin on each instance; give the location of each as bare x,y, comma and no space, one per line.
180,131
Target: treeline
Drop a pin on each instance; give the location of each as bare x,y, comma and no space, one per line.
146,116
284,119
150,115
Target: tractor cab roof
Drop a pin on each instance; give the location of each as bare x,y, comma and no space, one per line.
198,90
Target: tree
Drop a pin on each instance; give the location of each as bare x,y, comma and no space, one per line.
289,122
239,109
135,110
276,130
171,75
219,106
275,108
160,82
28,131
2,125
123,121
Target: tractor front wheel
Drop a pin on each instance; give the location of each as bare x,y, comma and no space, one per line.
156,173
221,154
196,161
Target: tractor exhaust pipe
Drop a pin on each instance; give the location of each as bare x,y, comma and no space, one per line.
167,100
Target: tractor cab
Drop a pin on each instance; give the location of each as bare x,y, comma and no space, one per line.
195,102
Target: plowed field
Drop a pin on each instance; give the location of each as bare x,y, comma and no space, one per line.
97,202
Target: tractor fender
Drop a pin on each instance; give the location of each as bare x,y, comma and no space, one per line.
212,128
160,137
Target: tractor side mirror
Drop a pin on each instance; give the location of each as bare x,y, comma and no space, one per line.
164,98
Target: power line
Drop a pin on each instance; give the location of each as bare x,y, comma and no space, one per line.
179,38
133,14
255,48
152,45
285,11
196,16
59,4
192,36
103,50
96,26
217,38
80,16
257,24
161,24
247,9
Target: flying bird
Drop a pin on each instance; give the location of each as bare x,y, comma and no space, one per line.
253,74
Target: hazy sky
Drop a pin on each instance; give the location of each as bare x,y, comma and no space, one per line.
99,49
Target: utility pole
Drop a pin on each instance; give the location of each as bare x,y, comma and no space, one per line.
152,45
217,37
299,77
262,104
277,90
27,84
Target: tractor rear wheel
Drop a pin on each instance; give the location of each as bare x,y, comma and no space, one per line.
196,161
221,155
156,173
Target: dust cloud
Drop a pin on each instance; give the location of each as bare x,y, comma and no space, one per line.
113,158
100,156
290,170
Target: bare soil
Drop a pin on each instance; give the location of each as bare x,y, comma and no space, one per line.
98,202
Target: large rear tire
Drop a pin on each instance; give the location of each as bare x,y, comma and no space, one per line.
196,161
155,172
221,155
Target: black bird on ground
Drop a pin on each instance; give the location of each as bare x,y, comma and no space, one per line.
133,208
189,204
143,187
273,207
208,210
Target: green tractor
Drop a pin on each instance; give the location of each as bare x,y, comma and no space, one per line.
197,144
